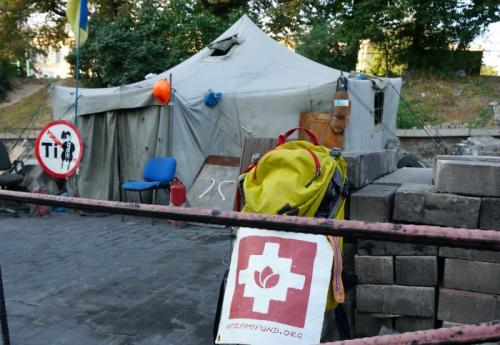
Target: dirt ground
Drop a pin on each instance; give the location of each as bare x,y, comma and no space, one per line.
22,88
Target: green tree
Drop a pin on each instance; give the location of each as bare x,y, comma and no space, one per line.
14,34
415,33
430,27
126,34
321,43
147,37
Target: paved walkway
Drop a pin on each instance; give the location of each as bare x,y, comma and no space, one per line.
72,279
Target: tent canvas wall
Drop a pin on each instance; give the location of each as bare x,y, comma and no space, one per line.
264,88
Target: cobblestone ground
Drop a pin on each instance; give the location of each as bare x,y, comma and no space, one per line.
73,279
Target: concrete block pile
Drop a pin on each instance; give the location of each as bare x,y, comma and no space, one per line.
349,305
465,193
470,291
468,175
365,167
472,176
396,282
420,204
410,287
482,146
396,287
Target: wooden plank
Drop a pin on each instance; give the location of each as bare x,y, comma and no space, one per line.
320,125
200,194
223,160
255,145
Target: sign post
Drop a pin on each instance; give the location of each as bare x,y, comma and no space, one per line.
3,314
59,149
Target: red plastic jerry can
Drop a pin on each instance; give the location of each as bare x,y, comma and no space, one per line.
177,193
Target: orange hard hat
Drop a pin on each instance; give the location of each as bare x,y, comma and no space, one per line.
161,91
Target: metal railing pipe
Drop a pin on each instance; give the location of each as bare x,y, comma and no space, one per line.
350,229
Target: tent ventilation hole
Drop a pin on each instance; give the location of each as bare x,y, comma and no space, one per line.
223,47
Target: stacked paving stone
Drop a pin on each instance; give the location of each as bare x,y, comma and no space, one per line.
482,146
397,287
363,167
398,283
465,194
470,291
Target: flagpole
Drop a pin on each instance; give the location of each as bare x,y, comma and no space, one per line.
77,70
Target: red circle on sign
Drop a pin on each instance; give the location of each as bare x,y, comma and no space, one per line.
40,159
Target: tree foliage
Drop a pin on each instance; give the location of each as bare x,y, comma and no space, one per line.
147,38
28,26
129,39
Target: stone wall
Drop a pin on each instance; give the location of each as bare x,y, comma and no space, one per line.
424,142
409,287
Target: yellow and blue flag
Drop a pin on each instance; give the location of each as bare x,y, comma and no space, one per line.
77,13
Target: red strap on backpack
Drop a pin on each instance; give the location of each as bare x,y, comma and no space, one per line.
283,137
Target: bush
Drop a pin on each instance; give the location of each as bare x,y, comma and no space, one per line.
484,119
417,114
448,62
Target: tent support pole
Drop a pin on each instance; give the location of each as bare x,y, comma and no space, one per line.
170,120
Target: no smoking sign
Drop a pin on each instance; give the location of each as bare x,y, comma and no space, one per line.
59,149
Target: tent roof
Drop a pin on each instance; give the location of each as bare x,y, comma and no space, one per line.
258,64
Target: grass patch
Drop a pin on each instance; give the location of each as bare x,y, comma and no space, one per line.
33,111
485,119
436,99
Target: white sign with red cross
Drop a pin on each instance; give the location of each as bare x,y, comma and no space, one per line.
276,289
59,148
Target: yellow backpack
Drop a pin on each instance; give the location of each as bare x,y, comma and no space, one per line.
300,178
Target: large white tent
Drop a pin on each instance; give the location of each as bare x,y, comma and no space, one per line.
264,88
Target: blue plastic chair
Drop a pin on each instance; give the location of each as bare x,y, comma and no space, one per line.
158,173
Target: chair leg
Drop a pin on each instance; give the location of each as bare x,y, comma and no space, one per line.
155,193
140,197
125,196
9,211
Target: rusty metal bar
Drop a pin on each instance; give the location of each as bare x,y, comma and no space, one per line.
423,234
470,334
